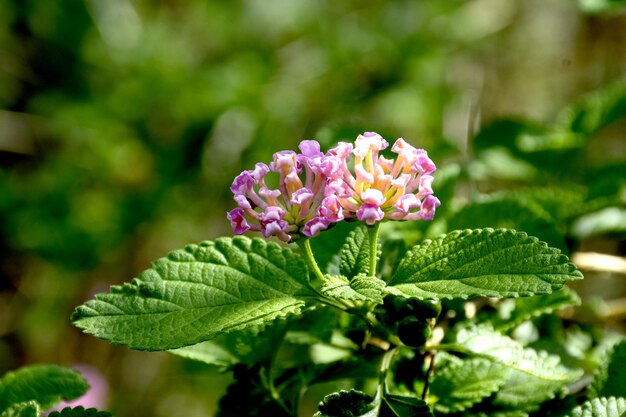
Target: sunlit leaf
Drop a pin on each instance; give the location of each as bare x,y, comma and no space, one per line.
482,262
601,407
355,253
535,376
198,293
360,288
459,384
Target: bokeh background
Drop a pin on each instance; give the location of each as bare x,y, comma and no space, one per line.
123,122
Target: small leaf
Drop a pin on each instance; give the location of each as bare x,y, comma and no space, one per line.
198,293
459,384
80,411
25,409
527,308
355,253
46,384
348,404
535,376
360,288
601,407
610,378
482,262
401,406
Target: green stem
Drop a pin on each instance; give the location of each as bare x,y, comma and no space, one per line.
384,366
305,247
372,232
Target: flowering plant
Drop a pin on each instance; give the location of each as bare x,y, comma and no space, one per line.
393,321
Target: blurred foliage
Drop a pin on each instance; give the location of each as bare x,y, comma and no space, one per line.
123,122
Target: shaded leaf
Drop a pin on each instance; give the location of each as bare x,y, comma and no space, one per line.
511,212
482,262
327,245
527,308
401,406
610,378
595,110
248,395
197,293
48,385
247,346
351,403
25,409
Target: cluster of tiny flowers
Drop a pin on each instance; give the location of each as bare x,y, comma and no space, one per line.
317,190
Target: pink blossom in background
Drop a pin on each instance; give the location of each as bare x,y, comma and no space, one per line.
97,394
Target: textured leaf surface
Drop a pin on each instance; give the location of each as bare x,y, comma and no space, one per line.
25,409
482,262
198,293
610,378
360,288
535,376
46,384
459,384
529,307
355,253
601,407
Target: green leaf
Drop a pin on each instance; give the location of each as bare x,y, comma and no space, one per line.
601,407
326,246
401,406
595,110
25,409
197,293
535,376
360,288
247,346
482,262
355,253
348,404
459,384
526,308
80,411
610,378
510,211
46,384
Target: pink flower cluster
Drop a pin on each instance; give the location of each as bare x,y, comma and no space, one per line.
317,190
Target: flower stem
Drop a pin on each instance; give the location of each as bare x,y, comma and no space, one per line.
384,366
305,247
372,232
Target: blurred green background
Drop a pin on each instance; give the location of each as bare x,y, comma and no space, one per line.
123,122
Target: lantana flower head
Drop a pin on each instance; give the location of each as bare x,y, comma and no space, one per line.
381,188
317,190
301,205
